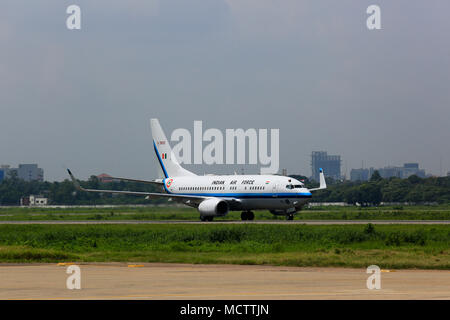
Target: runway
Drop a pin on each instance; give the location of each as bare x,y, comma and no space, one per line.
184,281
307,222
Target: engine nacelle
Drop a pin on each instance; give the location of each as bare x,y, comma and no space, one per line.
213,207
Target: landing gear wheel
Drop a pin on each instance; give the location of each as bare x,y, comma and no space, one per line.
290,216
209,218
247,215
203,218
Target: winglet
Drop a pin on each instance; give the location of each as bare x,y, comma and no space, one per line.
75,181
323,183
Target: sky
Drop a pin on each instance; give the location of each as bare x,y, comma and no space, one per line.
83,98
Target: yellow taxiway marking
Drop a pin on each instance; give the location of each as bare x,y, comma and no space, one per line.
135,266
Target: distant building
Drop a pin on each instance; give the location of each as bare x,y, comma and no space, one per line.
284,172
448,174
404,172
27,172
33,200
104,178
3,172
361,174
331,165
410,169
30,172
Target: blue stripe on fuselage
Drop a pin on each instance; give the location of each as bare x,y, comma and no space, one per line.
247,195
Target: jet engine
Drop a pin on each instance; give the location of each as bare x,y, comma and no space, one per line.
213,207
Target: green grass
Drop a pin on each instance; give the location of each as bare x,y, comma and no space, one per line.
388,246
437,212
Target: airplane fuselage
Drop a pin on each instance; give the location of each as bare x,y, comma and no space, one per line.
252,191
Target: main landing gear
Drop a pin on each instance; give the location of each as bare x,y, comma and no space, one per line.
247,215
208,218
290,216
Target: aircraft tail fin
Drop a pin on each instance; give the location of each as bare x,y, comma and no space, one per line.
166,158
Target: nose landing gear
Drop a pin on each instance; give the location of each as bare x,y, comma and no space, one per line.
247,215
207,218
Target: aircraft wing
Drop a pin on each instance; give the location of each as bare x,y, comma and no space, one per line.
150,195
156,182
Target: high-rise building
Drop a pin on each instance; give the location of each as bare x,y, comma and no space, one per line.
30,172
27,172
331,165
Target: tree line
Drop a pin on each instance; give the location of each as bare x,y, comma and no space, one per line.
410,190
64,193
372,192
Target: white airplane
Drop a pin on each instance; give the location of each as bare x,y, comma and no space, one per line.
216,195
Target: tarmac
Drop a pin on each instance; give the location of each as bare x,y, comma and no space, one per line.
202,282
